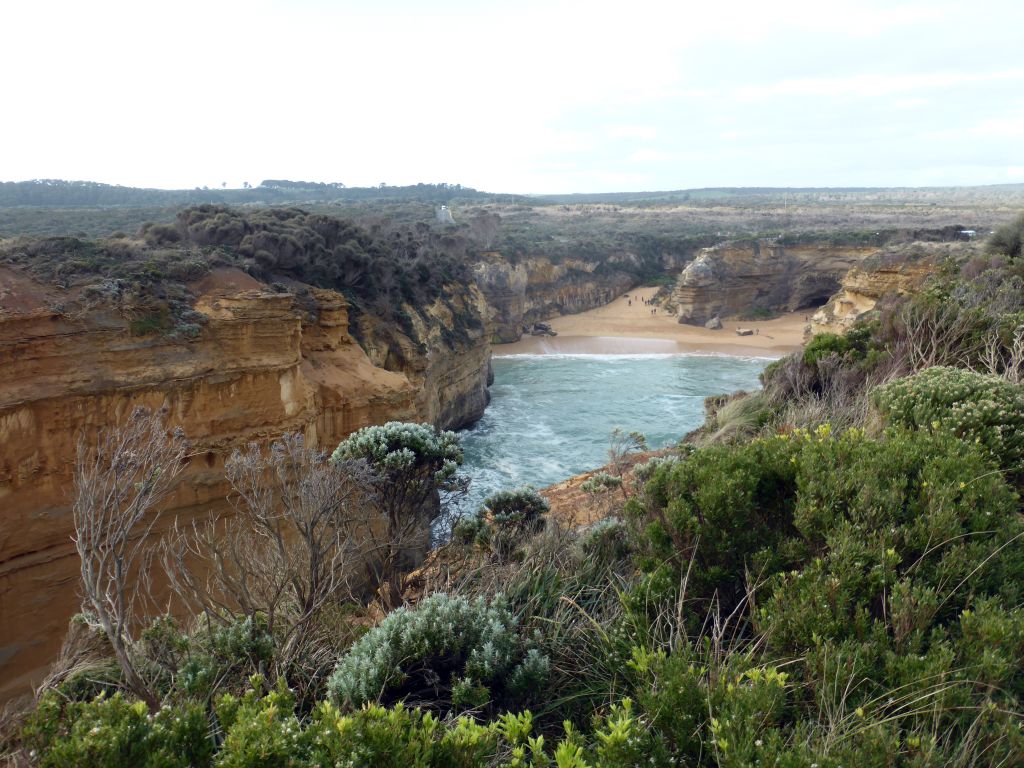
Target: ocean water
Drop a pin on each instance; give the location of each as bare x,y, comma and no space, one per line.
551,416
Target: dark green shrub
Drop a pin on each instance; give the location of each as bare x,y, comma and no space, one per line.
823,345
726,509
984,410
891,571
517,511
224,656
1008,240
503,521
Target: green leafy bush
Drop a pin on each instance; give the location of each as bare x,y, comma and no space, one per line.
260,731
823,345
891,571
116,733
984,410
397,738
423,653
701,704
222,656
725,508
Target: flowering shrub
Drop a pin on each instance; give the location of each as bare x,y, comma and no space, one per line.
397,738
443,643
261,732
116,733
986,410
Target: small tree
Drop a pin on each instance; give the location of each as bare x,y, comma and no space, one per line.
414,464
121,480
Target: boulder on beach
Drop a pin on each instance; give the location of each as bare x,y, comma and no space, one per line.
714,324
744,331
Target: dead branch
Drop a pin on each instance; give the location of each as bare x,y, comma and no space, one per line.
121,481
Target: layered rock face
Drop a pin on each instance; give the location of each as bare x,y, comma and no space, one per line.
862,288
536,288
737,278
261,366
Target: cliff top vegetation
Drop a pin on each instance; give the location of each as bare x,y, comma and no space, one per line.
382,269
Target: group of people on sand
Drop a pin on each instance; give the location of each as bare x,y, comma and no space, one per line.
648,302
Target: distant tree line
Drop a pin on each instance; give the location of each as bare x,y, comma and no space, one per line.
57,193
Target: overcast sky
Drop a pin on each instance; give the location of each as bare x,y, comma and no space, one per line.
516,96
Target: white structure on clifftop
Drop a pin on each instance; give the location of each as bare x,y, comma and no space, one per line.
444,215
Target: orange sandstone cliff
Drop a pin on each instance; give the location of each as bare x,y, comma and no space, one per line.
265,363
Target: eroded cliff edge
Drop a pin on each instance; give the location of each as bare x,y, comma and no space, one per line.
265,362
744,277
526,290
769,275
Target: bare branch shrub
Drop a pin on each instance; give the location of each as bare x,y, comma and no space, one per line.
120,482
939,334
292,547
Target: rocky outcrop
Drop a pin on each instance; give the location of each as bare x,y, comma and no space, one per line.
740,278
537,288
862,288
264,363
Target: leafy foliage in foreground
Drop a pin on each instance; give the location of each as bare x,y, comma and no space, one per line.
979,409
808,598
446,648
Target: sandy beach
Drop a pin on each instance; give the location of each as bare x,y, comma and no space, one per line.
627,326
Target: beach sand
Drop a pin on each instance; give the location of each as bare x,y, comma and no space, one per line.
622,328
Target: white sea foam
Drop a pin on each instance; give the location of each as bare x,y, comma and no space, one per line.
551,415
612,357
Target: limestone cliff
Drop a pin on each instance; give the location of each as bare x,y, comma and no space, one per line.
265,362
862,288
738,278
537,288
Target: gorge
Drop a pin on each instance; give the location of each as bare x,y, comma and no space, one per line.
263,351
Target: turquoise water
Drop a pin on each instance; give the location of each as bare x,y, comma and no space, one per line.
551,416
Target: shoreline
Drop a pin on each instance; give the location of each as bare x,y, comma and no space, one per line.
627,326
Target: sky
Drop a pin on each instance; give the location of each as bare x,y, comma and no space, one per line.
519,97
